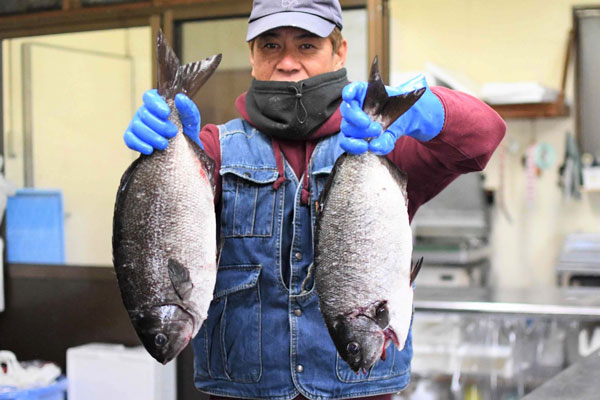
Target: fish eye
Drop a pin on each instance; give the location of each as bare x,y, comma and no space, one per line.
380,310
161,339
353,348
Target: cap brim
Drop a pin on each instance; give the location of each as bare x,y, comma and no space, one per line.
312,23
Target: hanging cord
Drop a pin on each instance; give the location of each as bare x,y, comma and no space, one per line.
279,161
310,146
299,102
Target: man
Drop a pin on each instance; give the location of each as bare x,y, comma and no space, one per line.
264,336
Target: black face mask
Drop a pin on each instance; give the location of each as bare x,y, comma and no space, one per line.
294,110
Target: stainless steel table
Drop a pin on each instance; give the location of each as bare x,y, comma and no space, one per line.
555,301
579,381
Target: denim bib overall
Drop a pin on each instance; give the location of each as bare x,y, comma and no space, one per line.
265,337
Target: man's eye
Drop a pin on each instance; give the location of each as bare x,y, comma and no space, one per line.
270,46
307,46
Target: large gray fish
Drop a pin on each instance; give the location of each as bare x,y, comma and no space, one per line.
164,227
363,244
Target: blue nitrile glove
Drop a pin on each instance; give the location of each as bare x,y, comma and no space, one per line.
423,121
150,127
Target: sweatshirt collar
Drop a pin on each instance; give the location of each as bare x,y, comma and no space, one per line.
331,126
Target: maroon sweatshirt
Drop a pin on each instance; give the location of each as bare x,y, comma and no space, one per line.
472,131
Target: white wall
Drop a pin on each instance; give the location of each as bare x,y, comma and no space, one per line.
510,40
84,89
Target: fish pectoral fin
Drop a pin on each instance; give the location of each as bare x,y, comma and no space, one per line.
414,270
180,278
390,336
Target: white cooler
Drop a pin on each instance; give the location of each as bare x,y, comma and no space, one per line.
98,371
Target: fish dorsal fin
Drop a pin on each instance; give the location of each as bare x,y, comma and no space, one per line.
174,78
329,183
399,176
414,270
122,195
207,162
180,278
381,107
209,165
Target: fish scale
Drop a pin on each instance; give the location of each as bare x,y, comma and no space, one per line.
168,185
373,217
174,218
363,244
164,228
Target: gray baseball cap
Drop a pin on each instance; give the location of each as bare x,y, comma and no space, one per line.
316,16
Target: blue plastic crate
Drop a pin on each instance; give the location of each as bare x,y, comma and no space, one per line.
55,391
35,227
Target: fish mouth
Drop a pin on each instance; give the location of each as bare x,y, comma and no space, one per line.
363,335
164,330
166,355
388,336
358,340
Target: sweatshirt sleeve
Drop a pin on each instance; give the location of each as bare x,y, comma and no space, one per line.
472,130
209,136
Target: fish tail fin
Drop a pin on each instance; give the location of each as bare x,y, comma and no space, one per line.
169,78
174,78
380,106
195,74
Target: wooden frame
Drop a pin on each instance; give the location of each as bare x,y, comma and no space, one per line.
378,35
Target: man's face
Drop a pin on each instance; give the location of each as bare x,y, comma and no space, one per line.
293,54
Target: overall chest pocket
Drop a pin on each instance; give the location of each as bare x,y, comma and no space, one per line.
248,204
229,345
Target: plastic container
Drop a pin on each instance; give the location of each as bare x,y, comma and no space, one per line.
55,391
111,371
35,232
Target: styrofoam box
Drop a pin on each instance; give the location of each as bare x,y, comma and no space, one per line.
98,371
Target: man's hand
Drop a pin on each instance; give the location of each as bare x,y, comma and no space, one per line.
150,127
423,121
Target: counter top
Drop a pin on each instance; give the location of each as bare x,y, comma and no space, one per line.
579,381
558,301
